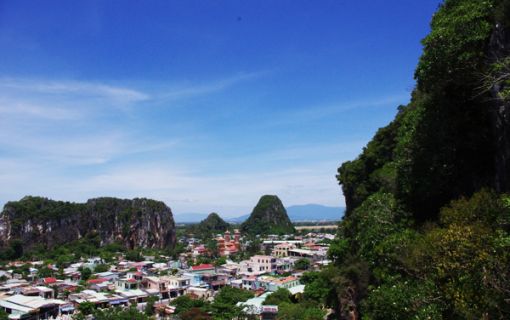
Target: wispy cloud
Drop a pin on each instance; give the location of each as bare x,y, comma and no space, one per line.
83,149
90,89
188,90
28,109
318,112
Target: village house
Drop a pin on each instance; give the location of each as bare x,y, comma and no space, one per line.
168,287
127,283
273,284
250,283
258,264
312,255
282,249
100,284
100,299
133,296
40,291
215,281
30,307
202,268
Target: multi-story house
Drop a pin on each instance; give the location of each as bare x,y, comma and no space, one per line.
259,264
282,249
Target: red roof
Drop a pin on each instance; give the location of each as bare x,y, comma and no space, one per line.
204,266
131,280
95,281
50,280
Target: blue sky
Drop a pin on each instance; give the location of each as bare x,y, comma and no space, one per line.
206,105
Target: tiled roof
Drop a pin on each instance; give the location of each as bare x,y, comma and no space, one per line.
96,281
50,280
204,266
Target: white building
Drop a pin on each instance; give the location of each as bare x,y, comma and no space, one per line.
258,264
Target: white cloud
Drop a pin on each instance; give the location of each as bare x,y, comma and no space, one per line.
187,191
54,142
89,89
83,149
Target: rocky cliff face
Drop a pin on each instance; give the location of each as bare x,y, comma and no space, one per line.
499,50
268,216
134,223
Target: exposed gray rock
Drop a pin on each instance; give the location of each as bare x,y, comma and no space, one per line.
134,223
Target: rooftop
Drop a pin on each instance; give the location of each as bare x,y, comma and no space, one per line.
204,266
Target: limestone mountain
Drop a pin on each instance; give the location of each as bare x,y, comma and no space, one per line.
213,224
269,216
43,222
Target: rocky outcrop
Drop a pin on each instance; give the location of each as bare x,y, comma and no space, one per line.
134,223
269,216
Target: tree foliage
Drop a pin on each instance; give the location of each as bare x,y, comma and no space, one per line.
424,237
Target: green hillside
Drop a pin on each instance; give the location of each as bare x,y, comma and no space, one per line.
268,217
426,229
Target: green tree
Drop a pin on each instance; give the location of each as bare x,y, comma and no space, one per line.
403,300
149,307
212,246
130,313
220,261
290,311
86,273
3,315
195,314
302,264
86,308
134,255
185,303
317,286
278,297
44,272
101,268
231,295
225,306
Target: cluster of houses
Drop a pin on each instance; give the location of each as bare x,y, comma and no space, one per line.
128,282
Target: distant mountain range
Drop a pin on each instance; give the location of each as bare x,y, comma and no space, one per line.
307,212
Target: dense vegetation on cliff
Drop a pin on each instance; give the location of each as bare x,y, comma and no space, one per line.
268,217
210,226
426,230
36,223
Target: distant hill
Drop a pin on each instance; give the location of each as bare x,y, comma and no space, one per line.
307,212
213,223
269,216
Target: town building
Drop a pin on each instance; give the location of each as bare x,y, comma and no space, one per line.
258,264
31,307
228,246
281,250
